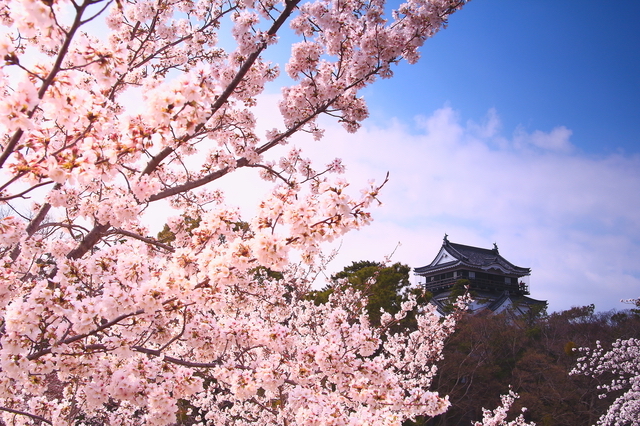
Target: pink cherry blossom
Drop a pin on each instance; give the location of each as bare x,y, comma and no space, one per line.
622,363
104,322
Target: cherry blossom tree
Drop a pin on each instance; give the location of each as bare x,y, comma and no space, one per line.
498,416
109,107
621,364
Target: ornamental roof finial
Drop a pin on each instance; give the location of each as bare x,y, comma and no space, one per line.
495,247
445,238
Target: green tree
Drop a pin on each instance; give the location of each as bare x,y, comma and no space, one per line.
385,287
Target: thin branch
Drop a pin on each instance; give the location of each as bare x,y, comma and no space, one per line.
26,191
196,183
174,360
98,13
24,413
77,23
242,162
147,240
270,170
179,335
77,337
226,94
68,226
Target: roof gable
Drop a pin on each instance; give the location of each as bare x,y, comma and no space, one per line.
443,257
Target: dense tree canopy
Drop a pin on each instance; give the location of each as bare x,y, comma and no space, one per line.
110,107
489,354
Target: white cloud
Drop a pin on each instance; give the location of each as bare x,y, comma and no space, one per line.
556,140
572,218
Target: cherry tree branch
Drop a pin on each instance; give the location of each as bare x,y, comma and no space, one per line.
147,240
77,337
24,413
26,191
90,240
231,87
48,81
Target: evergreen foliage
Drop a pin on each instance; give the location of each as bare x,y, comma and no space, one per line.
385,288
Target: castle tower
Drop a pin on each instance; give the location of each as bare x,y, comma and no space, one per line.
495,283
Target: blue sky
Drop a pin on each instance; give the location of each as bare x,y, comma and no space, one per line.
540,63
521,126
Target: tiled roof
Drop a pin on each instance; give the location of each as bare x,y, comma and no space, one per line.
472,257
491,302
483,257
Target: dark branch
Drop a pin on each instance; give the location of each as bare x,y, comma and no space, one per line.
147,240
24,413
90,240
77,23
104,326
233,85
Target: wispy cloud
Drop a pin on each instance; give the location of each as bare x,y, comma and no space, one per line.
556,140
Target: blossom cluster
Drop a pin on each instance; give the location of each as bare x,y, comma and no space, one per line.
498,416
103,323
620,365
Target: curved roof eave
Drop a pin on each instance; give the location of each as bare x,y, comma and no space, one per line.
438,267
450,265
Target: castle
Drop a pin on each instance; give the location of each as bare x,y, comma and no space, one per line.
495,284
